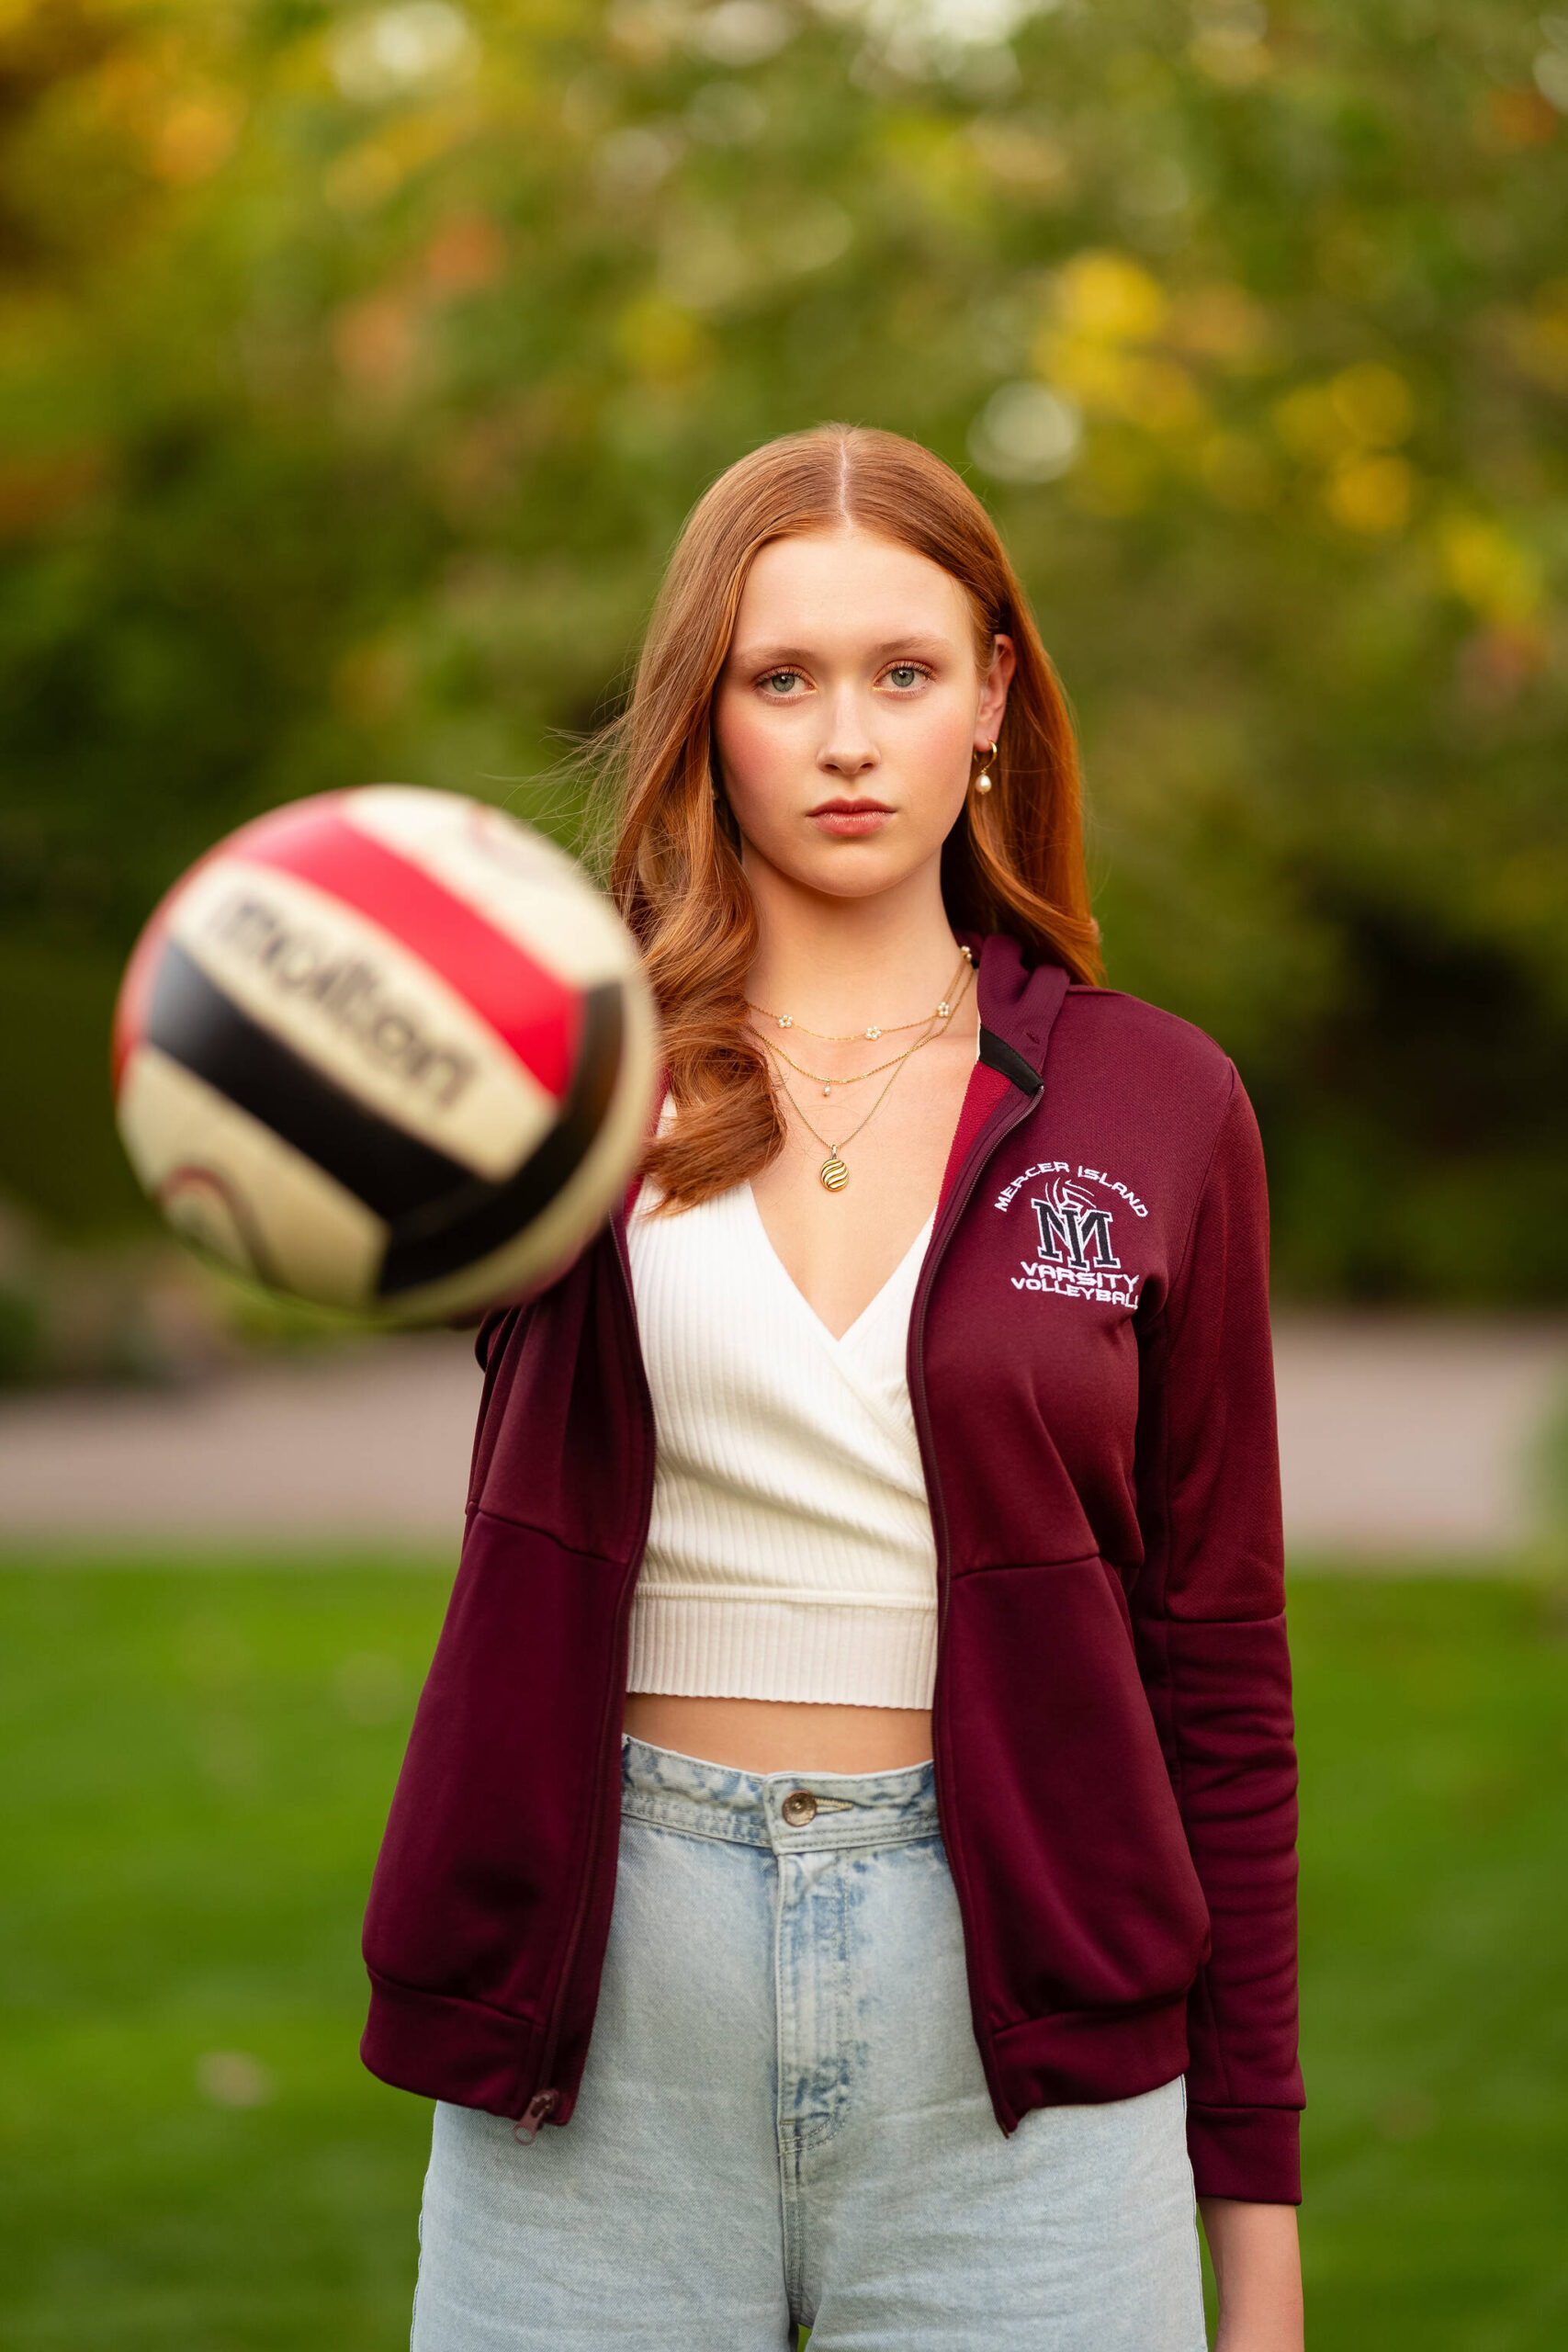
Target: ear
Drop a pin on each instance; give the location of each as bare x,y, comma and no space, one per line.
994,692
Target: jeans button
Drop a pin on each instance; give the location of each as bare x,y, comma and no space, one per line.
799,1807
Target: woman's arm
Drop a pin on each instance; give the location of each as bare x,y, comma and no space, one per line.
1208,1611
1258,2264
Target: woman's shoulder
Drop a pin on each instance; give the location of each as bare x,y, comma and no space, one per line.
1173,1084
1107,1024
1112,1021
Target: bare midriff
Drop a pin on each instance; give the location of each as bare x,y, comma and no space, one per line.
782,1735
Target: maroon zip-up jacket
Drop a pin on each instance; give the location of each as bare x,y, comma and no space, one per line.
1089,1368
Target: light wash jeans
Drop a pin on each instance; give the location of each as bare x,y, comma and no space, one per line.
783,2119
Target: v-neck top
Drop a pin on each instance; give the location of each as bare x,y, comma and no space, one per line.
790,1553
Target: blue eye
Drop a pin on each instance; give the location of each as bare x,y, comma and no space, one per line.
781,679
905,674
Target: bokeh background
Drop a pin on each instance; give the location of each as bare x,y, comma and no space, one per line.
357,366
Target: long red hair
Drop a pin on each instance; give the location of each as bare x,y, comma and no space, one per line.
1014,861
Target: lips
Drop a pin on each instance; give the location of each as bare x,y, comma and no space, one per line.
850,820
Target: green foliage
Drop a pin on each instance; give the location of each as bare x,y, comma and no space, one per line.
198,2159
21,1334
356,369
57,1148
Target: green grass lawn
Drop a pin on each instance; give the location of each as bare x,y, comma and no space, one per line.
196,1767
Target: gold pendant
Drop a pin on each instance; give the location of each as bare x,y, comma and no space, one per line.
833,1173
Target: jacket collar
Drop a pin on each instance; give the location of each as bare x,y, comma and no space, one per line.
1018,1003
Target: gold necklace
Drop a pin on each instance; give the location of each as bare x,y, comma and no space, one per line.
828,1084
833,1174
888,1028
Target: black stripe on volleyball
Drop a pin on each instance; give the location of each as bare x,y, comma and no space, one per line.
443,1218
443,1240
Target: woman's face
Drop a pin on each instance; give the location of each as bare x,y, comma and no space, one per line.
850,710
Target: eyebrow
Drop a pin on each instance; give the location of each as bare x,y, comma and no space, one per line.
778,657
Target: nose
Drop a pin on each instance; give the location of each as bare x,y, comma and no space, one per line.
848,748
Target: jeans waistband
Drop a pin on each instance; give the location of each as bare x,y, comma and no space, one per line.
788,1812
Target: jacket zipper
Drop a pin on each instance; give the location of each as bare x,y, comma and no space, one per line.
992,1133
545,2101
525,2131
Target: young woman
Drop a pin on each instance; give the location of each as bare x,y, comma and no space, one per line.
844,1871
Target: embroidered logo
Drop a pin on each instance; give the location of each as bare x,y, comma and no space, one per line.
1071,1229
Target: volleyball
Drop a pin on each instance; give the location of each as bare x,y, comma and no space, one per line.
386,1049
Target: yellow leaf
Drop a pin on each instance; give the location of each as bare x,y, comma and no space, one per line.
1481,563
1372,494
1374,402
1108,296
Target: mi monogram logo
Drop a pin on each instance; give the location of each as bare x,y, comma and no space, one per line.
1073,1231
1073,1227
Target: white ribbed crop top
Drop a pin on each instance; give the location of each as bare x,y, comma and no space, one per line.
790,1553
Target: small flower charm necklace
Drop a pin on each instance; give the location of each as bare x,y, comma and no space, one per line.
887,1029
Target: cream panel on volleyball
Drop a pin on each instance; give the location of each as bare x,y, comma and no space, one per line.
388,1050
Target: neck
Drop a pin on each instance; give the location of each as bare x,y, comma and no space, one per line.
842,964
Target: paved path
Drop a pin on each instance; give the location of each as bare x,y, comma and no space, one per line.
1398,1437
367,1447
1413,1436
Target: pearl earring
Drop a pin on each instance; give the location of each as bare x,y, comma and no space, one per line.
983,782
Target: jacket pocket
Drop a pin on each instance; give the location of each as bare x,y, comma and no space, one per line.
1062,1827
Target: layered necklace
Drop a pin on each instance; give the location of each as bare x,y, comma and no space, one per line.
834,1174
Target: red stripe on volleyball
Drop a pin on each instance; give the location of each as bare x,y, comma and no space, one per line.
538,1016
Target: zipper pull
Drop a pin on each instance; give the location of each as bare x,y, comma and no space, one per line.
525,2131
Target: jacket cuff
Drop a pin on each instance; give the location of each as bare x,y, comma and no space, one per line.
1253,2153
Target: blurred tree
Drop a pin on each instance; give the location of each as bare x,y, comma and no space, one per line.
358,366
